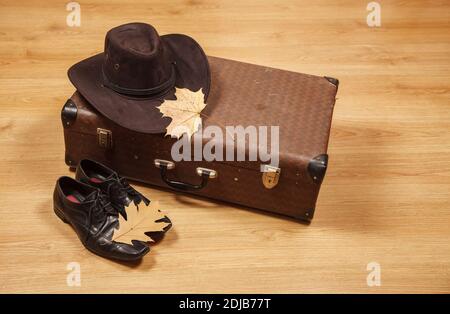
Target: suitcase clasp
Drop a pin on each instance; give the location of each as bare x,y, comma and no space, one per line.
104,138
270,176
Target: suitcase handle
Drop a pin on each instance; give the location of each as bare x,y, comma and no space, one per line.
205,173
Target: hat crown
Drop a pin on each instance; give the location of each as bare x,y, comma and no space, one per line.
136,61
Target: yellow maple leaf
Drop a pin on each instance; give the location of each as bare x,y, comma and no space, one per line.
184,111
144,223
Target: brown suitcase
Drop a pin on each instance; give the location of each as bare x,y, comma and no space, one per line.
241,94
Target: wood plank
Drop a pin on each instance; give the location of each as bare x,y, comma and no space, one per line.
385,197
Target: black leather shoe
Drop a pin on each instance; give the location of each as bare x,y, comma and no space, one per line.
117,188
94,219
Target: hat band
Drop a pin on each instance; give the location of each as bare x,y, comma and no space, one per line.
143,91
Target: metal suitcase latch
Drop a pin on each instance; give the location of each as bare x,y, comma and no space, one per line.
270,176
104,138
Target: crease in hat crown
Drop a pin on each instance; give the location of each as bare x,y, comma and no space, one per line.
136,62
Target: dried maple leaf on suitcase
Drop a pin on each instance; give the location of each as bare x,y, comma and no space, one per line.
144,223
184,111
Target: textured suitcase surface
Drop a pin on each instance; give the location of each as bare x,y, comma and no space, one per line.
241,94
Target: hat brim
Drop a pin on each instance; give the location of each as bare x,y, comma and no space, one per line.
140,113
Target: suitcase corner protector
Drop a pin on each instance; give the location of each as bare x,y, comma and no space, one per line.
69,161
332,80
69,113
317,167
309,214
305,216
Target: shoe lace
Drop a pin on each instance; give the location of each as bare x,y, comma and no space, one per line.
99,210
119,188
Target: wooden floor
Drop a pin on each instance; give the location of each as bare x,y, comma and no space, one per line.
385,198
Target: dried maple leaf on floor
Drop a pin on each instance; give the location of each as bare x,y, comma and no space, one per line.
144,223
184,111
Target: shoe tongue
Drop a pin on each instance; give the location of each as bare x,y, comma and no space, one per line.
113,176
92,196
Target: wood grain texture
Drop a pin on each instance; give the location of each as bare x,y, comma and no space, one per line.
385,197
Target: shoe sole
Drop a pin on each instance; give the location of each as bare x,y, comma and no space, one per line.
61,216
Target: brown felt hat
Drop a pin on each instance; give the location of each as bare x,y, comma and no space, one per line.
137,71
